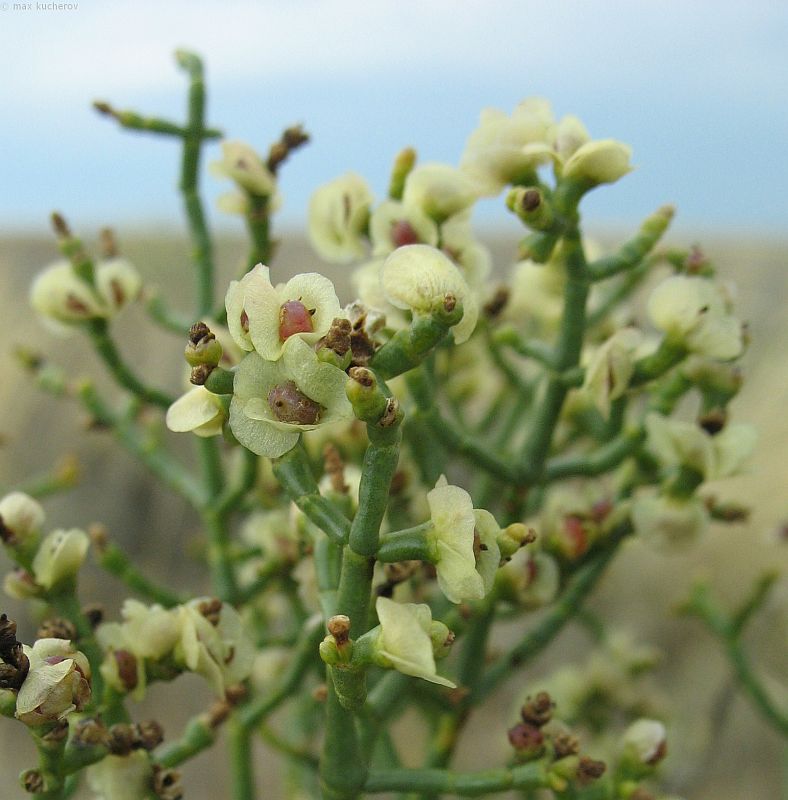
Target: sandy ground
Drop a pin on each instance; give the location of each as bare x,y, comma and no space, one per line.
740,758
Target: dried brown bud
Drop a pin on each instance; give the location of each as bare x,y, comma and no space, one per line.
57,733
167,783
57,628
99,537
713,421
362,375
292,138
589,770
320,693
60,226
527,740
564,744
338,336
198,332
200,373
94,613
107,243
121,739
148,734
89,732
32,781
449,302
339,627
391,414
7,635
335,469
537,710
493,307
235,694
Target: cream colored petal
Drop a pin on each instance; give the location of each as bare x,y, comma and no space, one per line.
732,447
260,436
489,558
316,292
317,379
40,683
195,408
404,642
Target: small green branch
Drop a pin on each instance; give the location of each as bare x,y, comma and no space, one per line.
304,655
534,349
728,630
664,358
407,349
636,249
410,544
294,473
465,784
597,462
167,319
193,139
287,748
116,562
169,471
580,586
258,227
199,735
241,769
98,330
133,121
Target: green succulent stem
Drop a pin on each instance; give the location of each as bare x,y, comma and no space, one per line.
464,784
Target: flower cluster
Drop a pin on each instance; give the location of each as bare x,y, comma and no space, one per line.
203,636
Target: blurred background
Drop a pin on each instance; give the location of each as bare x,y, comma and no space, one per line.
700,92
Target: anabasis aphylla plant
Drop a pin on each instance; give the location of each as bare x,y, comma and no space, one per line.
381,482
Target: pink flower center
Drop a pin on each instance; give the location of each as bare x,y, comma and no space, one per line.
294,317
402,233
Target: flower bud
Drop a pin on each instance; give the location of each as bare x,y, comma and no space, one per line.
118,283
241,164
19,583
694,312
121,777
404,641
21,518
602,161
442,639
420,278
403,164
59,557
57,294
666,522
203,347
513,537
509,149
644,745
57,684
338,217
439,191
531,207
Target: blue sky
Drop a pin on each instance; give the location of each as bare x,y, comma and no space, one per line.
698,89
